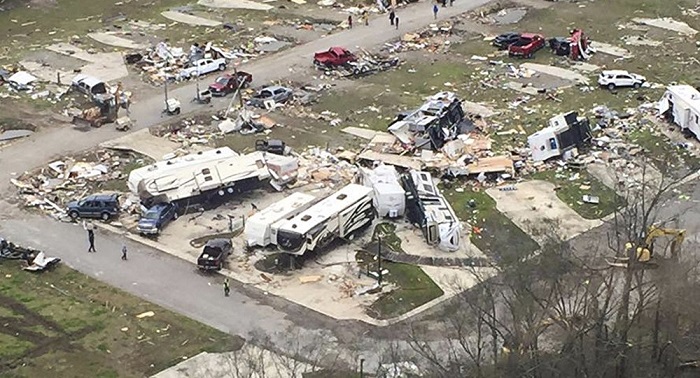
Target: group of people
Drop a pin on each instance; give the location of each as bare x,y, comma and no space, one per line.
91,240
394,19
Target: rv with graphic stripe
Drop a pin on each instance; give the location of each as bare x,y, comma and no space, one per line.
337,216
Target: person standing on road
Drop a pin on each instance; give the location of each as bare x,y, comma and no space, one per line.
435,10
124,252
396,22
452,2
444,3
365,15
392,16
91,237
227,289
350,21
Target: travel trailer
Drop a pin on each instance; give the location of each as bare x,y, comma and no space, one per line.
680,104
261,228
428,209
202,181
389,196
171,165
337,216
440,119
564,133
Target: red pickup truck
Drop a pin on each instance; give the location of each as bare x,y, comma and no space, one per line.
334,57
527,45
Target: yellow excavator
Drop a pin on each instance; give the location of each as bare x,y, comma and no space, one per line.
645,252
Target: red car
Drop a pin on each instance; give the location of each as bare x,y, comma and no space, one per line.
527,45
228,83
334,57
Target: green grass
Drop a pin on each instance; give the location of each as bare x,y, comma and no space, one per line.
492,232
414,288
387,233
572,192
667,157
93,328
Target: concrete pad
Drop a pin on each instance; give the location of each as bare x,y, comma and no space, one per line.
667,23
562,73
250,361
234,4
361,132
634,40
609,49
585,67
520,88
116,41
413,242
534,203
189,19
629,177
105,66
456,280
143,142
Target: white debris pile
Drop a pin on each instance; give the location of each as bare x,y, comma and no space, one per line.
316,165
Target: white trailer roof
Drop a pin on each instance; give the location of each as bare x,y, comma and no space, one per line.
280,210
327,208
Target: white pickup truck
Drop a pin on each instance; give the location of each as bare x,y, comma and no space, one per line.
204,66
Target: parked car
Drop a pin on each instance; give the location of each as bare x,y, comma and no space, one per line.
103,206
506,39
228,83
527,45
157,217
89,85
273,146
618,78
334,57
214,254
203,67
276,93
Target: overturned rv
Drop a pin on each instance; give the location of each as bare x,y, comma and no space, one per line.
680,104
261,228
564,133
389,196
440,119
207,179
337,216
428,209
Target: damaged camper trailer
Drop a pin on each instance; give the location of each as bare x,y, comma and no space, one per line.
680,104
564,133
171,165
200,182
261,228
428,209
336,216
389,196
439,120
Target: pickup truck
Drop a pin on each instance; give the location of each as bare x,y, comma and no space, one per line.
527,45
334,57
214,254
204,66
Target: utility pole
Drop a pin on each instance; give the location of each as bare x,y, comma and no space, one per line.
379,260
362,367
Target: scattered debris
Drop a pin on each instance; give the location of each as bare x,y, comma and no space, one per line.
189,19
147,314
668,24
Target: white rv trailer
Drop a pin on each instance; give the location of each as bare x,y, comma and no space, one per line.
389,195
681,104
227,175
162,167
429,209
261,228
338,215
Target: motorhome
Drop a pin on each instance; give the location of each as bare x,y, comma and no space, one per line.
261,228
680,104
565,133
175,164
202,181
389,196
428,209
336,216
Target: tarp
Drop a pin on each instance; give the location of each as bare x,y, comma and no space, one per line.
41,262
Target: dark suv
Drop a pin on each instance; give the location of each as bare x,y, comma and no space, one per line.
156,218
103,206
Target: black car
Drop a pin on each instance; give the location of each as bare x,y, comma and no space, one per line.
214,254
103,206
506,39
273,146
156,218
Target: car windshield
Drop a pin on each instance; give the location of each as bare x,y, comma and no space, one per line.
222,80
151,215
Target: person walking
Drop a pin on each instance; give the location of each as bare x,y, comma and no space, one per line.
350,21
444,3
124,252
227,289
91,239
392,16
452,2
435,10
365,15
396,22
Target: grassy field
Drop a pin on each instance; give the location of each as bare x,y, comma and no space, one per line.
64,324
571,192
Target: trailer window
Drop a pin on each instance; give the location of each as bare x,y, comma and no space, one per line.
206,171
306,217
342,196
552,144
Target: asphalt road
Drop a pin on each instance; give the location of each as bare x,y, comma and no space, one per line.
153,275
